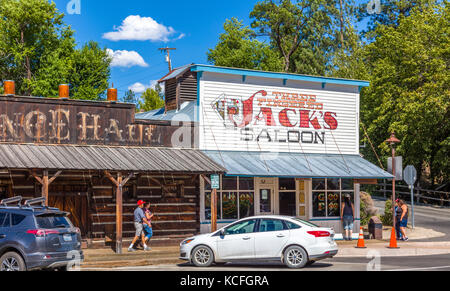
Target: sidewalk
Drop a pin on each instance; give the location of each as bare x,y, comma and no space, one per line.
106,258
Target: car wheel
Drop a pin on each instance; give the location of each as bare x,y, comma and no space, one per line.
202,256
295,257
12,261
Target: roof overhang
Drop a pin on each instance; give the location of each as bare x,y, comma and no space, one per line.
274,75
127,159
296,165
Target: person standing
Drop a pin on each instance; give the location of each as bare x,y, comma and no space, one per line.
403,219
139,220
348,217
148,226
398,214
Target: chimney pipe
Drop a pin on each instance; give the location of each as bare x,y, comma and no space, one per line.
9,87
64,91
111,94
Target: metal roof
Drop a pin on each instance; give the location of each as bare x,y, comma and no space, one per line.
264,164
137,159
175,73
185,114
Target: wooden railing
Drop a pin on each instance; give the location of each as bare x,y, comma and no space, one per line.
421,196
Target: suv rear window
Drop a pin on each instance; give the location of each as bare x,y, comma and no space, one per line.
52,221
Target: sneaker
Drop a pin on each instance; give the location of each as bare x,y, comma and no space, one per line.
147,249
406,239
131,250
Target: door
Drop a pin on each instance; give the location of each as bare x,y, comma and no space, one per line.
266,200
76,205
238,241
271,238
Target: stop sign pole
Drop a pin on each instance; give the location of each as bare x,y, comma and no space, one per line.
410,175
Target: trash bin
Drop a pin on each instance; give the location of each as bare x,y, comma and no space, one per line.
375,228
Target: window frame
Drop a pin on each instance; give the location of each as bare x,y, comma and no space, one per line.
340,191
285,226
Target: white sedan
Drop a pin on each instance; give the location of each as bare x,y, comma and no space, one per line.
295,242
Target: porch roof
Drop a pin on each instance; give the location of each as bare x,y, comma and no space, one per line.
296,165
133,159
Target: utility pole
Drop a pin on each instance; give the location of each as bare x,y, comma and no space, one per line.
168,60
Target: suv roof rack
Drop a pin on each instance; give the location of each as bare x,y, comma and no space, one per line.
40,200
7,201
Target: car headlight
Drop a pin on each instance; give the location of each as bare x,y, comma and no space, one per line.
187,241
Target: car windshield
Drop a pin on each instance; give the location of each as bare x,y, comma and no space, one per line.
305,222
50,221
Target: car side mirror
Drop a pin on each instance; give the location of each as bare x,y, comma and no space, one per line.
222,232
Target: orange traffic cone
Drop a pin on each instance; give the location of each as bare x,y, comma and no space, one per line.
361,244
393,243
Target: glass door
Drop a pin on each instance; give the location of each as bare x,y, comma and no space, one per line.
266,200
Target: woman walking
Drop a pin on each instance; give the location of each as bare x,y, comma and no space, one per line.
398,214
348,216
403,219
148,226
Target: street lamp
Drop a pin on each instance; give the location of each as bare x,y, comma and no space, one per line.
392,141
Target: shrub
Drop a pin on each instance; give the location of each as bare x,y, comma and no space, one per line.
386,218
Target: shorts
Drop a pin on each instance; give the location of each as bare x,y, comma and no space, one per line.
404,223
348,222
139,228
148,231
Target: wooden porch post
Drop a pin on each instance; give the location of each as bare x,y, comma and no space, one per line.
213,205
45,183
119,183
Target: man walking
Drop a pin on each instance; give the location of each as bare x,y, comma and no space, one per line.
139,221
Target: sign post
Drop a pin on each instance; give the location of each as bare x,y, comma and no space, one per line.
410,177
215,184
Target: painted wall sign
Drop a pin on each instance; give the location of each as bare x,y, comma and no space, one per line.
269,118
52,121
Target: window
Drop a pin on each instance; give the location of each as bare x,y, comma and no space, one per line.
4,220
235,198
328,195
17,219
292,225
52,221
287,184
268,225
243,227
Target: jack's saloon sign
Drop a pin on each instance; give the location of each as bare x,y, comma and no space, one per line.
48,121
277,117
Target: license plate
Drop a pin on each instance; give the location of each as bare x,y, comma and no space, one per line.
67,237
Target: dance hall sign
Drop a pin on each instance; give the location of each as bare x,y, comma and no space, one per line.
281,121
53,121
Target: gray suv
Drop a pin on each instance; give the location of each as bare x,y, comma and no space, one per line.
36,237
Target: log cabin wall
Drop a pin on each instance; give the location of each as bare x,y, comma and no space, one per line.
90,198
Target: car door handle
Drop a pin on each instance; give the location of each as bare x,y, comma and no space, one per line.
281,235
246,238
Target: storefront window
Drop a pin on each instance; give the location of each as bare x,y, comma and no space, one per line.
246,205
235,198
287,184
229,205
327,202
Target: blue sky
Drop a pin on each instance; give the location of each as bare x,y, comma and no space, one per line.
134,30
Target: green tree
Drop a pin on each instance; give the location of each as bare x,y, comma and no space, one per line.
38,51
302,31
408,66
237,47
151,99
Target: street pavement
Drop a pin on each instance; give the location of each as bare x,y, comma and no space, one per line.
411,263
429,217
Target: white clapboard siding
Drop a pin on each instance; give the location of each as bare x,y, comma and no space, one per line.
217,134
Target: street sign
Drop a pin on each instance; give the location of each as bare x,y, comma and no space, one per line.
398,167
215,182
410,175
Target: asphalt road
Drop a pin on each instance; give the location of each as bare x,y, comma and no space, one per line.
415,263
429,217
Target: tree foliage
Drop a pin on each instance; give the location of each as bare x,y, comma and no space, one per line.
38,51
152,99
237,47
409,92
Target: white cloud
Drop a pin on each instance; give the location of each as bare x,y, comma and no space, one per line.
135,27
139,88
126,59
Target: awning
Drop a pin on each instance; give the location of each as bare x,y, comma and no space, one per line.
295,165
133,159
